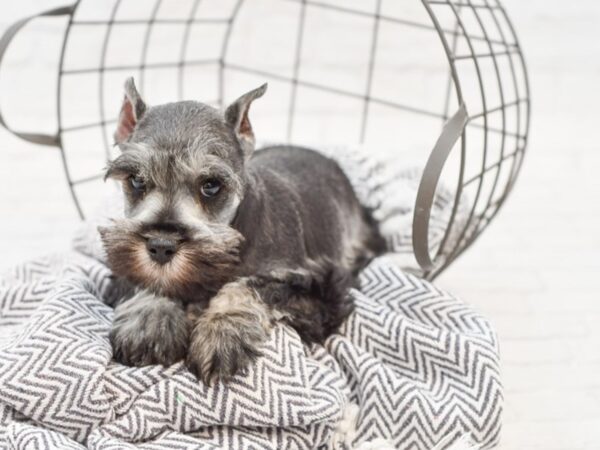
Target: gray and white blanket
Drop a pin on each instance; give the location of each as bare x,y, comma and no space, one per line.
411,366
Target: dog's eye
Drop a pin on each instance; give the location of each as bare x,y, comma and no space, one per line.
137,183
210,188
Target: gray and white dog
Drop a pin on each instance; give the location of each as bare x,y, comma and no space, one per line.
219,242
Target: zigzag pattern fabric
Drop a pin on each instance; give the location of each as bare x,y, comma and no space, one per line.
414,363
412,366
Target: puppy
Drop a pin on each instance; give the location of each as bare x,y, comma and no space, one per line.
220,241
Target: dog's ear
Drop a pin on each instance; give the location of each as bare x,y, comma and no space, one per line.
132,110
236,116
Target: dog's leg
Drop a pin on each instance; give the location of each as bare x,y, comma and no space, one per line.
228,334
314,301
149,329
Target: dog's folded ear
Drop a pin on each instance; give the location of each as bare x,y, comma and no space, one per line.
132,110
236,116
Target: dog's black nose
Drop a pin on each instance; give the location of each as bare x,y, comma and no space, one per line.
161,249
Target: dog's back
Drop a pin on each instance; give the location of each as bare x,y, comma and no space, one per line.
307,212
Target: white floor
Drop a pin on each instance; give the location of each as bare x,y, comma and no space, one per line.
533,273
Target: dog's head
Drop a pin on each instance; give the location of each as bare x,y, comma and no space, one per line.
182,171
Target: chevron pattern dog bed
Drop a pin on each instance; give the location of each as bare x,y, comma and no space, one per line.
412,366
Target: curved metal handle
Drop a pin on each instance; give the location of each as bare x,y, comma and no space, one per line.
5,40
452,130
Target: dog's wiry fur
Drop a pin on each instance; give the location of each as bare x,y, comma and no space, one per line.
227,335
148,315
282,239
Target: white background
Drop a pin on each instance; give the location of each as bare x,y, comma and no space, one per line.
534,273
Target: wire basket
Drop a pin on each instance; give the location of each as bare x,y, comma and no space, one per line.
441,83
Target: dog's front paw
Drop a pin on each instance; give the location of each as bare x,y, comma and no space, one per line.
219,348
149,330
228,336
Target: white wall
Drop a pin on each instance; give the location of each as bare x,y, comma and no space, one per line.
534,272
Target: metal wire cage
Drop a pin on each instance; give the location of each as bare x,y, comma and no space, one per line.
441,83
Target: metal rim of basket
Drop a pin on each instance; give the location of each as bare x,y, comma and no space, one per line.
450,246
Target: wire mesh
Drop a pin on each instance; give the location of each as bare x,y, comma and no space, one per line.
352,72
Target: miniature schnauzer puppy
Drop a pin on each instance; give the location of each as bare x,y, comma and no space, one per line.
219,241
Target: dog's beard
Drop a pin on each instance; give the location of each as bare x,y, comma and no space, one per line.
202,263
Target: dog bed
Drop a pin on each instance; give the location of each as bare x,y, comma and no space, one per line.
411,367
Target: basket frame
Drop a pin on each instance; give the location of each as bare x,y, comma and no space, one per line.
451,245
